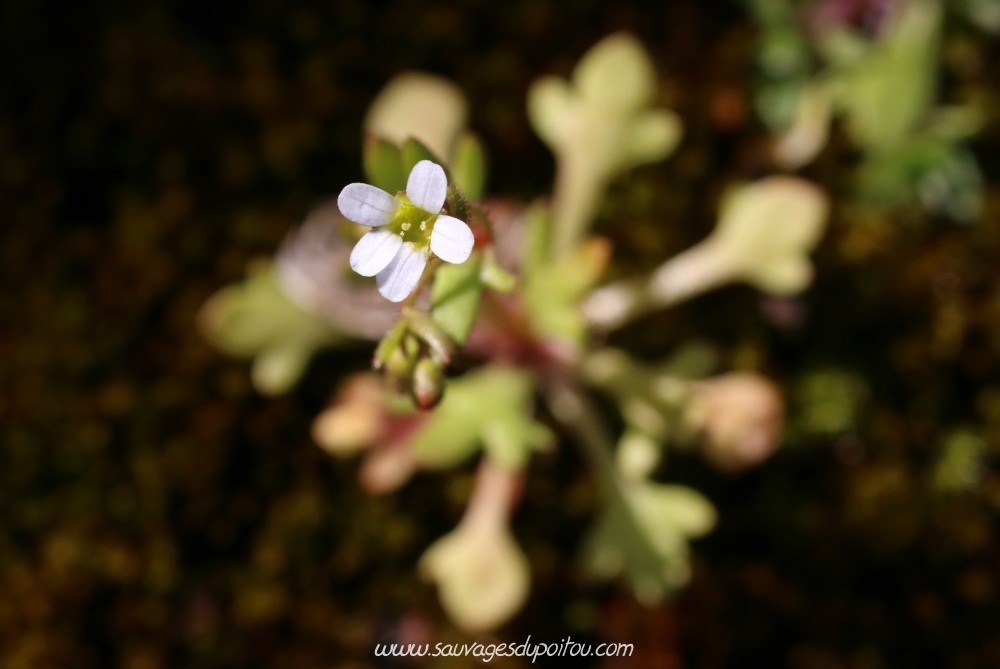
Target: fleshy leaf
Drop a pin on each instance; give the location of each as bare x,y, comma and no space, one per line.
256,320
413,152
277,368
537,239
653,136
495,276
598,125
469,166
424,106
509,442
616,72
455,297
550,105
490,405
553,291
383,163
643,535
888,93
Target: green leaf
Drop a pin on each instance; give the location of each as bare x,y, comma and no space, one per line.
643,534
469,166
390,342
553,291
279,367
490,406
455,297
414,151
510,440
255,319
537,241
777,103
383,162
495,276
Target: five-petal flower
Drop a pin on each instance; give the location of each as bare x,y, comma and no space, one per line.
406,228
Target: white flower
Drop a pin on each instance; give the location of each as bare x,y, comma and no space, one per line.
406,229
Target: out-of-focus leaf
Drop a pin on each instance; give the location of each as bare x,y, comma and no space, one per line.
643,535
491,406
888,93
469,166
954,186
778,103
553,291
414,151
495,276
537,239
984,13
808,135
783,52
509,443
424,106
277,368
383,163
483,576
455,297
766,231
256,320
616,72
598,125
653,135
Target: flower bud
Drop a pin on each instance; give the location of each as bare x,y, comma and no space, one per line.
739,416
428,383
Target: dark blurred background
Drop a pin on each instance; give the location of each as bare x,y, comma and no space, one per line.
156,512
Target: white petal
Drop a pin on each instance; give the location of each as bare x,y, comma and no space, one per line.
374,251
451,240
399,279
427,186
367,205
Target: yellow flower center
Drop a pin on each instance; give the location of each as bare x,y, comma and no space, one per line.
413,224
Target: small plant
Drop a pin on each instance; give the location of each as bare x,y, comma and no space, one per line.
516,292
